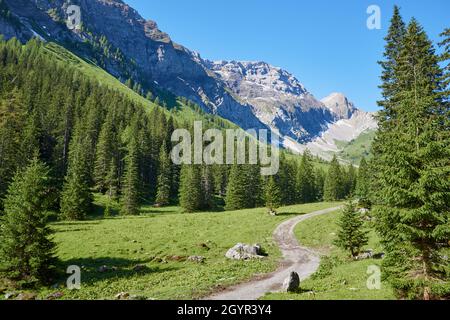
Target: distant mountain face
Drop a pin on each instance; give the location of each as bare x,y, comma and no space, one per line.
250,94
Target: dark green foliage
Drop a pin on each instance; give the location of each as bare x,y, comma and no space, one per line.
334,182
362,192
130,192
319,183
244,187
445,58
306,181
394,42
351,235
191,197
26,249
411,171
272,195
76,197
350,181
164,177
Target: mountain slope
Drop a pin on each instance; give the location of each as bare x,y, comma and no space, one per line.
340,134
253,95
277,98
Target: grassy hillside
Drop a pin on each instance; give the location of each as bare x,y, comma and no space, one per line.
355,150
158,241
339,278
181,113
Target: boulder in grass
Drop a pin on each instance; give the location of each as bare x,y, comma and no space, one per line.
245,252
292,283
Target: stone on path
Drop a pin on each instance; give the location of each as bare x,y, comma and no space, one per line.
292,283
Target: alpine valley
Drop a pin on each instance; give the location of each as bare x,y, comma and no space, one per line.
249,94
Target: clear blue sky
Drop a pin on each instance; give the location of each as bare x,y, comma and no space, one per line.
324,43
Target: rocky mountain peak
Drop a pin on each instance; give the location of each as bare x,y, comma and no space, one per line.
258,73
340,105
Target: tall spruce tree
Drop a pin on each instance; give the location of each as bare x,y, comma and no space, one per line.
411,161
445,58
319,183
164,177
104,154
394,42
333,187
130,192
236,197
350,181
272,195
363,181
191,197
26,249
306,179
76,198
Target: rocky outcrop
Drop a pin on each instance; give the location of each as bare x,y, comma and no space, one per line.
276,97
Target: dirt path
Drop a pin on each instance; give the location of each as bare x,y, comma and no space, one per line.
296,258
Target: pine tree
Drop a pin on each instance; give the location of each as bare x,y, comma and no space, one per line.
272,195
363,185
333,188
164,177
103,155
319,183
191,197
26,250
306,179
244,187
130,192
236,193
285,180
350,182
445,58
76,198
351,235
394,42
411,161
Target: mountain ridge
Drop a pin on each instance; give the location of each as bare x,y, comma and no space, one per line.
251,94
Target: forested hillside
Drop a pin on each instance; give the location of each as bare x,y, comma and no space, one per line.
100,137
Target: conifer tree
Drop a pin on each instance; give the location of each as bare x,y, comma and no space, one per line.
319,183
76,198
26,249
333,187
236,197
208,187
363,184
130,192
103,155
272,195
445,58
306,179
350,182
351,235
411,161
191,197
164,177
394,42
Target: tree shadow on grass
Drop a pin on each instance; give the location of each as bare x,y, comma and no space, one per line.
100,269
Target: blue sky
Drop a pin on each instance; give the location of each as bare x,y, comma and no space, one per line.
324,43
